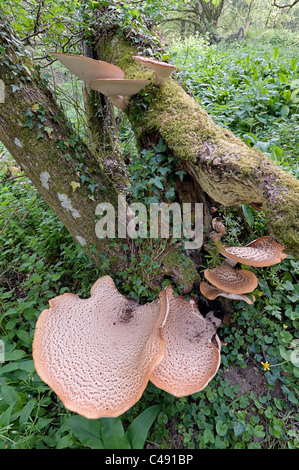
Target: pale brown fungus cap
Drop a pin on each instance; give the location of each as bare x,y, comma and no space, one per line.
98,354
228,279
260,252
163,70
192,349
88,69
218,225
212,292
118,90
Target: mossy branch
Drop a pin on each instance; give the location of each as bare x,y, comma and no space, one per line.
227,170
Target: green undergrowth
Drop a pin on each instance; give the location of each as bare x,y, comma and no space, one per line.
250,88
39,260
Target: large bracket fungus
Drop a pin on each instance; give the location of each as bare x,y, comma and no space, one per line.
98,354
228,279
260,252
192,349
88,69
212,292
103,77
163,70
119,90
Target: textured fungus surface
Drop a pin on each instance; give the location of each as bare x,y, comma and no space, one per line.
261,252
192,349
236,281
98,354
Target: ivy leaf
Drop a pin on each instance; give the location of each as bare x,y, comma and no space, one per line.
74,185
221,428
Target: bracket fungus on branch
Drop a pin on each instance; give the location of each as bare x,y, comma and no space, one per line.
162,70
260,252
103,77
192,355
118,91
88,69
98,354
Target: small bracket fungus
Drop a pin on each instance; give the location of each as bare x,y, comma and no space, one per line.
234,281
162,70
192,349
260,252
218,229
98,354
218,226
88,69
118,90
212,292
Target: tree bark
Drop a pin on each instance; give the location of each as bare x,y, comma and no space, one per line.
219,166
38,135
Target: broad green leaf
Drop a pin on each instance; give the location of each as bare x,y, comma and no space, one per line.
221,428
282,77
138,430
26,412
248,215
9,395
284,111
294,97
5,418
113,434
88,431
276,53
293,65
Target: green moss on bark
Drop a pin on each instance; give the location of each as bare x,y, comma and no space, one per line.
181,267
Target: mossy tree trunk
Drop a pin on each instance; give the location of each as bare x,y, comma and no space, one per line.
69,177
224,167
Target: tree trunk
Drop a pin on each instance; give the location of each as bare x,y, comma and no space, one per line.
38,135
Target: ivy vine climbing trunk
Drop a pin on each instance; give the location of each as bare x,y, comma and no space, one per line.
72,178
38,135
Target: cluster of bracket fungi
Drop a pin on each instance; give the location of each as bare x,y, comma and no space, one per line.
225,280
109,79
98,354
